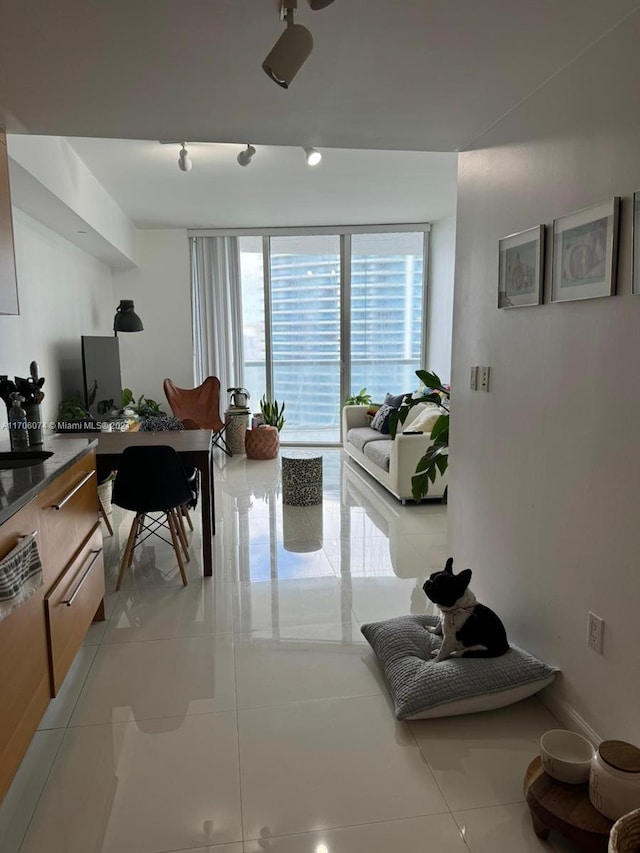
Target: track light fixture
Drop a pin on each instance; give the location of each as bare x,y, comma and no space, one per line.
245,156
291,51
313,156
184,161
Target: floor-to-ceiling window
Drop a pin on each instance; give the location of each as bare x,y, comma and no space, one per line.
387,274
327,314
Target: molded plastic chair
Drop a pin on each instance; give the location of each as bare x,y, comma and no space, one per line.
199,408
152,480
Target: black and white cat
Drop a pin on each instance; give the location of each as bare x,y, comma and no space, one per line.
467,628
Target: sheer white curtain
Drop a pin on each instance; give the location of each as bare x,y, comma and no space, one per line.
216,300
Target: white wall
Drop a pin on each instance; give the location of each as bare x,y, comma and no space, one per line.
160,288
64,294
545,474
440,297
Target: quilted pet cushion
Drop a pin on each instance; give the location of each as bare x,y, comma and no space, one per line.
421,688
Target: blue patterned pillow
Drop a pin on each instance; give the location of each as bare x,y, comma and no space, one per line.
380,421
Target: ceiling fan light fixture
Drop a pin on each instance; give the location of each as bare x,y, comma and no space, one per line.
184,161
290,52
313,156
246,155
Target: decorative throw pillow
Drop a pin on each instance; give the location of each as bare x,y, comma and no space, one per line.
424,421
371,411
380,421
421,688
394,402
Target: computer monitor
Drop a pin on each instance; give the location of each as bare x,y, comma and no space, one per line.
101,372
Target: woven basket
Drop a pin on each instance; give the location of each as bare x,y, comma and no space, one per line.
625,834
262,443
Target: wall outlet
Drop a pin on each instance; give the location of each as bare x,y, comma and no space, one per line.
473,380
595,636
483,378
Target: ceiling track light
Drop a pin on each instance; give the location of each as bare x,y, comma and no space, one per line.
291,51
184,161
245,156
313,156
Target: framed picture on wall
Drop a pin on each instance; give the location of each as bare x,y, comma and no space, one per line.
585,245
635,284
520,266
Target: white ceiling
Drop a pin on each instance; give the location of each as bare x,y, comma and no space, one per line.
393,75
277,188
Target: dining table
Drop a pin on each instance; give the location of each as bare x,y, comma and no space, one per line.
193,446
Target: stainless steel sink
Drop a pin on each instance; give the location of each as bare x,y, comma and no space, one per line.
23,458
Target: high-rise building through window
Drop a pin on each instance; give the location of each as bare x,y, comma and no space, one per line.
308,318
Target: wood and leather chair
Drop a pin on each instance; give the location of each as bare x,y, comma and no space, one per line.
199,408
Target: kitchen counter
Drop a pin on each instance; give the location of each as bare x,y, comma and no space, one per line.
19,485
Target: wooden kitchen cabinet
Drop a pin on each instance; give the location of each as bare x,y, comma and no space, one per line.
40,638
24,659
8,280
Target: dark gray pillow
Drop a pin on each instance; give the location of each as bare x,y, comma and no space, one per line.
394,402
421,688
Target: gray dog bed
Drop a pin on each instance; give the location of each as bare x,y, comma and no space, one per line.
421,688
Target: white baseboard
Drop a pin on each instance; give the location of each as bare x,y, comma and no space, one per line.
568,716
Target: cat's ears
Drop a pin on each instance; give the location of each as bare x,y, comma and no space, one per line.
449,566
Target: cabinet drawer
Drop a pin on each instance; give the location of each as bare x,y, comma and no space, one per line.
68,513
24,670
71,606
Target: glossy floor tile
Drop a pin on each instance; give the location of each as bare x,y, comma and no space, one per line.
246,713
321,662
158,678
138,787
339,762
503,829
480,759
437,833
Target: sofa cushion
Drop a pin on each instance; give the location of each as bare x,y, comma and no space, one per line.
380,420
421,688
394,401
379,452
425,419
359,436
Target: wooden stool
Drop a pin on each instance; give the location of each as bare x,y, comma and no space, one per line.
565,808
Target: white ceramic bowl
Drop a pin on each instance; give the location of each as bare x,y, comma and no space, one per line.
566,755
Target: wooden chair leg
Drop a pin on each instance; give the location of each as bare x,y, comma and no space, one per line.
176,545
184,511
182,534
128,550
105,517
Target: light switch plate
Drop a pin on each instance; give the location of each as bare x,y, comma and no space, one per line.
473,381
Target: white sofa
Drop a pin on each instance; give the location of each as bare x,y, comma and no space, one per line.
392,462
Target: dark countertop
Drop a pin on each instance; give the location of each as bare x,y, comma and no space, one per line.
19,485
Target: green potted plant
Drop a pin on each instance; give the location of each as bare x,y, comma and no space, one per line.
264,442
272,413
362,398
436,458
73,415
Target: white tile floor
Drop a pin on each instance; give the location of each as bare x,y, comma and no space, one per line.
245,713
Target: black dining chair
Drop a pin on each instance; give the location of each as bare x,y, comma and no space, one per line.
152,482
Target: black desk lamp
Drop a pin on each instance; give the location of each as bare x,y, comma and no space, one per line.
126,319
